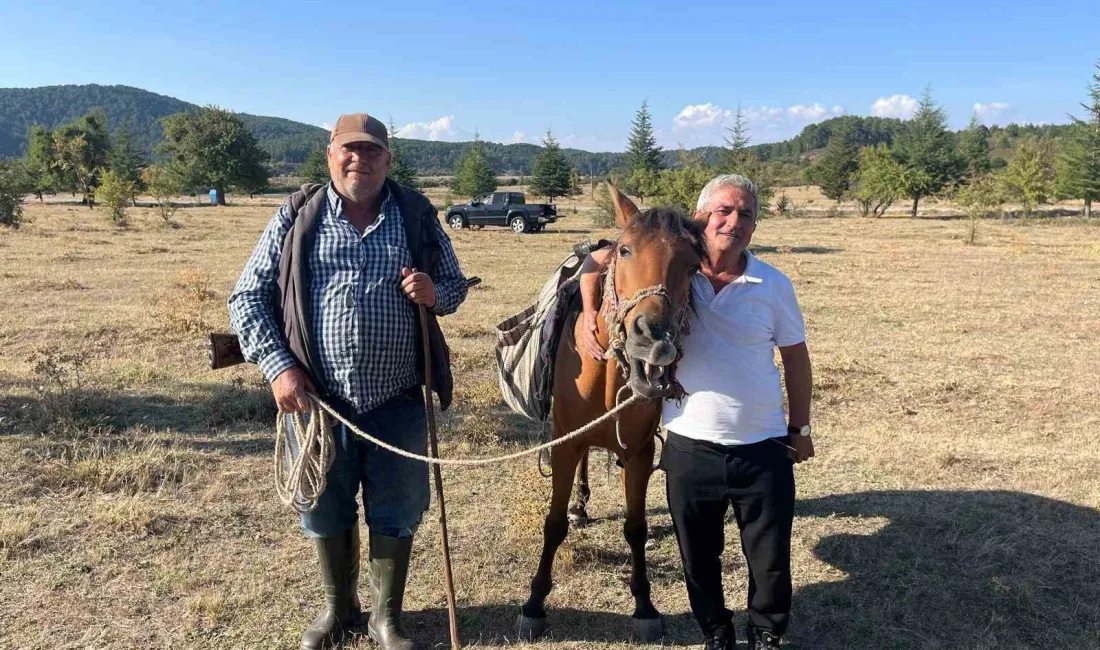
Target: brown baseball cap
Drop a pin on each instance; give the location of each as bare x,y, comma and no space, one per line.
360,127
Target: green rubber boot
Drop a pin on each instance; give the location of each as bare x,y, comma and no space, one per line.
339,558
389,567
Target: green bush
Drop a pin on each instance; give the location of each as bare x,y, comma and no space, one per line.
14,184
114,193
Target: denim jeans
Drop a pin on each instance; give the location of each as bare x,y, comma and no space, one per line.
395,490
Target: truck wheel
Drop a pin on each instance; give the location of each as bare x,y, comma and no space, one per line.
537,228
519,225
456,222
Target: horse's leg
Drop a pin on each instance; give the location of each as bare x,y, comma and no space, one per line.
578,509
532,619
648,626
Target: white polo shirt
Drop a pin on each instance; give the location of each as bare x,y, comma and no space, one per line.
728,368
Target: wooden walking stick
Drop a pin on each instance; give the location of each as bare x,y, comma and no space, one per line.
448,578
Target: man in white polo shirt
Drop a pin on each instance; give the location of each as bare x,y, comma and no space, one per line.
729,441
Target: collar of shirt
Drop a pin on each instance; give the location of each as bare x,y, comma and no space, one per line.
336,207
704,290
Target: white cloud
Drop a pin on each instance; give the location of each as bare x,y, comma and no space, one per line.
988,113
699,115
518,136
709,115
438,129
901,106
327,126
813,113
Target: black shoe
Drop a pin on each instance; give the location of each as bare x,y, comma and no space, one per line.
724,638
339,558
762,639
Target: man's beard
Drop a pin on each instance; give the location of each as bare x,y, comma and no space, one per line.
359,191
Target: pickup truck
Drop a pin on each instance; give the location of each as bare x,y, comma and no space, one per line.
502,209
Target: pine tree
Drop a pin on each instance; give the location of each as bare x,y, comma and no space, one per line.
473,176
974,148
126,160
926,151
401,171
1079,169
550,174
642,151
739,159
835,171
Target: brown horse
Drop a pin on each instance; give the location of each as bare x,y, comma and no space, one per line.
644,307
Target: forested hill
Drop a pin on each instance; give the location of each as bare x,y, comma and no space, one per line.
140,110
290,142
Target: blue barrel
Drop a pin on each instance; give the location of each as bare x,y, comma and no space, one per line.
213,197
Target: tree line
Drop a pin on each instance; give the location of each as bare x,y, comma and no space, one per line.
926,159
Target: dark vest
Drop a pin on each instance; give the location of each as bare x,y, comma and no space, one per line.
418,216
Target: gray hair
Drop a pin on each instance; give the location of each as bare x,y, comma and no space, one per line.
735,181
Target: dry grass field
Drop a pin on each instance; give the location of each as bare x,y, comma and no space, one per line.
954,502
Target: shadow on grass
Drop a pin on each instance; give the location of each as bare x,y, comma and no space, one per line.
800,250
954,569
191,409
494,625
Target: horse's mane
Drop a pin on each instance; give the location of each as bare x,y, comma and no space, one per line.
671,222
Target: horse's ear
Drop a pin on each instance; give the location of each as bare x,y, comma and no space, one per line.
625,210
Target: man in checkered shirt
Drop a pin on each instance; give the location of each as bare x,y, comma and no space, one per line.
363,293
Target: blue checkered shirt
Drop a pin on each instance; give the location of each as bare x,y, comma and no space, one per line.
363,324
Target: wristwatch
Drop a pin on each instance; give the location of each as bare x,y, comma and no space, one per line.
803,430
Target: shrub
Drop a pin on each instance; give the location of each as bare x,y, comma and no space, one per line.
14,184
115,192
163,183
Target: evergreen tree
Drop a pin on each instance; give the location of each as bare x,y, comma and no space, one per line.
737,158
642,151
401,171
212,148
315,168
126,160
974,148
835,171
926,151
550,175
1079,170
473,176
1029,177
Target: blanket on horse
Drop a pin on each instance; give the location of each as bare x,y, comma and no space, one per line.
527,343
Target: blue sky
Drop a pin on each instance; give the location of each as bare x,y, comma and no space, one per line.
511,71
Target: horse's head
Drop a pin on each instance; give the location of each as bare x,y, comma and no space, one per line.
649,282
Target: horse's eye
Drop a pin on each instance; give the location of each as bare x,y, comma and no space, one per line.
624,251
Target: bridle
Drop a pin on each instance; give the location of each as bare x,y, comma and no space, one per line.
615,311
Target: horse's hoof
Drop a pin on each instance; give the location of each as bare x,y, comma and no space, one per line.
529,629
648,630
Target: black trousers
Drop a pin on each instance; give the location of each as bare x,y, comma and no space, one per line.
703,480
